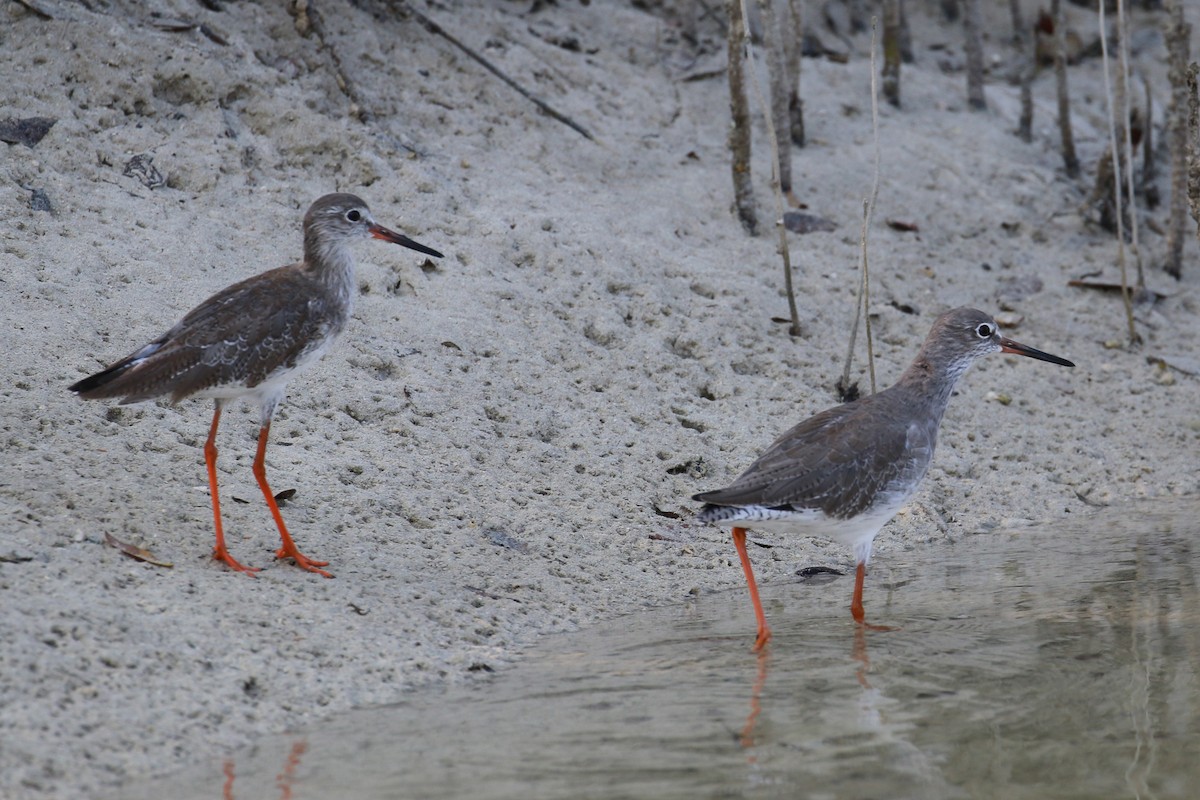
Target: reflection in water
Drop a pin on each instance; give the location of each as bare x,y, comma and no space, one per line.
1039,663
859,654
760,680
283,781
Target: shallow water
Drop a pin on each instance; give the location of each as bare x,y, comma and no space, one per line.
1044,663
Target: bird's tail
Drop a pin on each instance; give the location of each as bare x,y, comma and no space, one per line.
108,383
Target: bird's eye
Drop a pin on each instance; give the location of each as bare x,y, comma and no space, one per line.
353,215
984,330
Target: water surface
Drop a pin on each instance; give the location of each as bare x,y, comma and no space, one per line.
1045,663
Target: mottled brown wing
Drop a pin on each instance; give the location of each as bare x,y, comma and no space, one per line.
240,336
839,461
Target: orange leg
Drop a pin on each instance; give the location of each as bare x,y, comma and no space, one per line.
227,790
288,550
764,633
856,604
210,460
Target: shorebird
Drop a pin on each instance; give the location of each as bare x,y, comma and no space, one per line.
844,473
249,339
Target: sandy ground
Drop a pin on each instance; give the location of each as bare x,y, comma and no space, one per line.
483,457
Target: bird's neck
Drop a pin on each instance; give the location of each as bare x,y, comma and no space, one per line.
332,264
931,383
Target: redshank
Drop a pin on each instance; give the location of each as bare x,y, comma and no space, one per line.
845,472
250,339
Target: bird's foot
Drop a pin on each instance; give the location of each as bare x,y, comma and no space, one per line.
303,561
871,627
222,555
764,636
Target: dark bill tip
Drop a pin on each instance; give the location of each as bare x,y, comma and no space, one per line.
1009,346
380,232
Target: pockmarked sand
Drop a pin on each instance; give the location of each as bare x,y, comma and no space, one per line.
503,444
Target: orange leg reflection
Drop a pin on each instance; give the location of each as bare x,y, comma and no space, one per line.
859,654
283,780
747,735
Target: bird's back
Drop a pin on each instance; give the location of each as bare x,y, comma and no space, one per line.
844,462
246,334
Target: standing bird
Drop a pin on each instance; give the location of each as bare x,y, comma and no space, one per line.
845,472
249,339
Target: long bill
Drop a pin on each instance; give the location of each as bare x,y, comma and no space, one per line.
380,232
1009,346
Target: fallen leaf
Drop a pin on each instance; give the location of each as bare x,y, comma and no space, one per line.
903,226
133,551
1113,286
667,514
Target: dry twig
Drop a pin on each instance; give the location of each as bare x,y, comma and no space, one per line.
974,51
794,328
435,28
793,47
35,9
845,389
1027,58
778,73
1116,161
1123,104
739,131
1070,160
1193,160
1178,35
891,51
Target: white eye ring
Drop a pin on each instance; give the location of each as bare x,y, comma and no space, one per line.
984,330
353,215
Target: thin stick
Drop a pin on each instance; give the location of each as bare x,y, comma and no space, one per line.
1070,160
891,51
1028,60
40,12
309,18
435,28
739,131
780,91
868,207
1177,135
793,53
1112,137
1123,93
868,210
794,328
1193,134
974,52
1149,165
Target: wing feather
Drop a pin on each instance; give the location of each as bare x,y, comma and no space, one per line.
204,350
842,461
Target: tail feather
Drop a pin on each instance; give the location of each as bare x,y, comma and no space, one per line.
110,382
